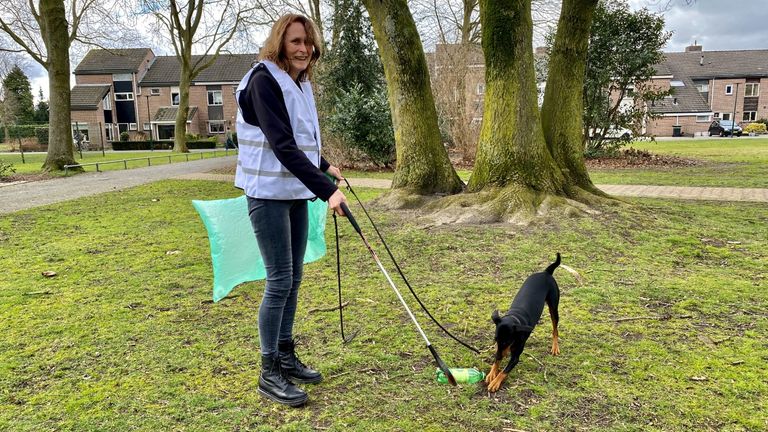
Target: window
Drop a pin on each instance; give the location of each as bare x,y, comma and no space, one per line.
132,126
123,96
751,89
108,132
481,89
214,97
702,118
106,103
80,132
729,89
216,127
726,116
175,96
122,127
146,126
749,115
122,77
702,88
154,91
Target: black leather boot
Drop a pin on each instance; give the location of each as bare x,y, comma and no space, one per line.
273,385
292,368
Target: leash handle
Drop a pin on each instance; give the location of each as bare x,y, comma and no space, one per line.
351,218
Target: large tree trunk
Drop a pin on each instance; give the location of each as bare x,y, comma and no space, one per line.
563,101
53,27
180,129
512,151
422,166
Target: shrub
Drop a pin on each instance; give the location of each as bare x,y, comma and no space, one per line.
759,128
42,135
6,168
364,122
124,136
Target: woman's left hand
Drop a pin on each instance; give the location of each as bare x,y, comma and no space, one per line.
332,170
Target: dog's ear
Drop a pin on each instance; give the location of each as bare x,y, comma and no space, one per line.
495,317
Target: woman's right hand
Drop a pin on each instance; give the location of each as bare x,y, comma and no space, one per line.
335,201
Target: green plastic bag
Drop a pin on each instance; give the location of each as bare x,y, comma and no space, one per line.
234,251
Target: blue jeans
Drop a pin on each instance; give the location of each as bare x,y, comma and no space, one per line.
281,232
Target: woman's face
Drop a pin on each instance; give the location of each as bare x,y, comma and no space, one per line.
297,49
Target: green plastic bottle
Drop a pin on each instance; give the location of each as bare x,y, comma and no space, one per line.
462,376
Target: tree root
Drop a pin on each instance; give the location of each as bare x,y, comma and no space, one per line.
513,204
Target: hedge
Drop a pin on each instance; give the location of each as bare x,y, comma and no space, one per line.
141,145
22,131
42,135
159,145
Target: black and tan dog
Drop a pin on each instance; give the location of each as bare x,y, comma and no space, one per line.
514,327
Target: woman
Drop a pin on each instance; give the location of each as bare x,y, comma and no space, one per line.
279,167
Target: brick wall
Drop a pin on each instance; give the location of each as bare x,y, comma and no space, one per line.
689,126
95,125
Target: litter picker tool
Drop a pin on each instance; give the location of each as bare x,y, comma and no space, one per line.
440,363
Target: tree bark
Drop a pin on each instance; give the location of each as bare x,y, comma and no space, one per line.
423,165
511,150
563,99
53,28
180,128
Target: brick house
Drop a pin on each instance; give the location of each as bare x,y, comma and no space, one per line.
708,85
134,91
705,85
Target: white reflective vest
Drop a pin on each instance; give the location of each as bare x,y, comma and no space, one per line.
259,173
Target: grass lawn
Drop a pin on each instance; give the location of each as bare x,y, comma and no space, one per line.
730,162
737,162
667,333
34,161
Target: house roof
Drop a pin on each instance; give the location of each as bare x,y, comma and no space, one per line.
100,61
168,114
87,97
227,68
717,64
688,98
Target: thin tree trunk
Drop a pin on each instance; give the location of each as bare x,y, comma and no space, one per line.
53,28
422,161
180,128
511,150
563,100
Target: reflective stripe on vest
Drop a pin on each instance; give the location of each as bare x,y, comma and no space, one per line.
259,173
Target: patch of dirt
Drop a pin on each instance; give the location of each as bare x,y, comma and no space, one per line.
633,158
26,177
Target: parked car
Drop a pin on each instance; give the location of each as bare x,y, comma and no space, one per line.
724,127
613,133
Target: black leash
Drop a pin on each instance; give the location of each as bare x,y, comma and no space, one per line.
423,307
338,279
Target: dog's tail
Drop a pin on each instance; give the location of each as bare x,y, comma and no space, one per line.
554,265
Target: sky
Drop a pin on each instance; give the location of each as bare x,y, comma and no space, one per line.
714,24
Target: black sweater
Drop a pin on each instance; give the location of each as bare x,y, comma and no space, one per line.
263,105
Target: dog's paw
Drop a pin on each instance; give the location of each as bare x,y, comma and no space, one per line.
494,386
555,351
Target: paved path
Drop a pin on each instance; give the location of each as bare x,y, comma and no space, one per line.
20,196
676,192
